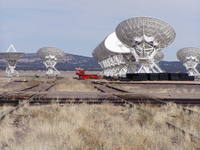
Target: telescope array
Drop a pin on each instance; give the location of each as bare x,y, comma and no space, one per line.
11,57
190,57
50,56
137,45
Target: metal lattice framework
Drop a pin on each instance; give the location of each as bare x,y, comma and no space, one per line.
116,59
112,63
145,36
50,56
11,57
190,56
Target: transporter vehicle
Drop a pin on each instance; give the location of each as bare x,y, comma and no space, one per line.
82,75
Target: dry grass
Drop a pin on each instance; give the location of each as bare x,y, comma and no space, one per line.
157,89
18,86
67,84
97,127
139,89
70,85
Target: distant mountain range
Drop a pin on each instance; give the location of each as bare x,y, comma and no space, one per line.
32,62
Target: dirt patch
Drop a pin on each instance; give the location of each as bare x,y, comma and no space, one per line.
69,84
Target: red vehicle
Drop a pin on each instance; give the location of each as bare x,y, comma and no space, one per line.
81,73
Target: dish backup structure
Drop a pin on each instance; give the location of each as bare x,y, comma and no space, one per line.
135,47
190,57
11,57
114,57
50,56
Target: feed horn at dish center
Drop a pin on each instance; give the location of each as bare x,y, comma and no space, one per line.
135,47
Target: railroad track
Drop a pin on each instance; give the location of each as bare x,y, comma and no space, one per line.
159,98
108,93
107,88
39,88
117,94
150,82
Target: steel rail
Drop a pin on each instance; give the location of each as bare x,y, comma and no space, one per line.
11,110
168,123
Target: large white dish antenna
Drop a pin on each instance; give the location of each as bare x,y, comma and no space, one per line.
113,44
183,53
157,32
190,56
50,56
50,51
159,56
109,47
114,60
101,52
11,56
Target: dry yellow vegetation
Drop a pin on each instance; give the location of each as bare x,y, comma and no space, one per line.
157,89
98,127
73,85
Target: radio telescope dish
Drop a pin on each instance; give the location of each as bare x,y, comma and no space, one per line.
190,56
159,56
145,36
154,31
112,61
109,47
101,52
113,44
11,57
46,51
50,56
116,59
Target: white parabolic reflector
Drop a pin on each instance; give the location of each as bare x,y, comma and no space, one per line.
159,56
53,51
183,53
151,30
11,55
113,44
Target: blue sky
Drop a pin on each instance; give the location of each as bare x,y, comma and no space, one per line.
78,26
